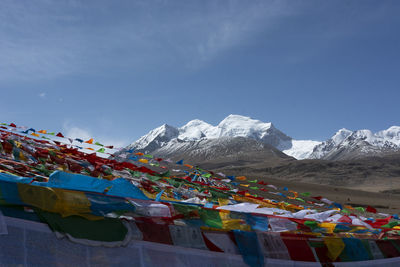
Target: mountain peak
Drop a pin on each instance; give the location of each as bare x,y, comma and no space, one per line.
341,135
235,119
156,137
194,130
237,125
392,132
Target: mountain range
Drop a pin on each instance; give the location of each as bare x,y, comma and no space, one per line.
356,160
239,136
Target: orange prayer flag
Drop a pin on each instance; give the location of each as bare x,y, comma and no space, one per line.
241,178
42,131
90,141
35,134
139,154
187,165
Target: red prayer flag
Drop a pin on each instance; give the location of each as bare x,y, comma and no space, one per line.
371,209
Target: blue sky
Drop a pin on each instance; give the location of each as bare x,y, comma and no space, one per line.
116,69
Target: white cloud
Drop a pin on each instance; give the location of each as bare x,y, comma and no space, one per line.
76,132
72,131
49,39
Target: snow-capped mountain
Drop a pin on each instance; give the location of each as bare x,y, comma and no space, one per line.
200,136
169,138
346,144
231,126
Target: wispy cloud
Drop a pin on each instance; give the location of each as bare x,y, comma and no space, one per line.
48,39
72,131
42,95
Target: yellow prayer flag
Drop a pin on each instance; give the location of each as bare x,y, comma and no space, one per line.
143,161
328,226
62,201
223,201
335,246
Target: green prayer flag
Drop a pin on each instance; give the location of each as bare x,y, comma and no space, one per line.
305,194
188,211
107,230
390,224
97,143
254,187
360,209
311,224
217,194
211,218
101,150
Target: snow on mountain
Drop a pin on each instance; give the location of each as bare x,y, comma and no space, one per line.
340,136
194,130
344,144
155,138
231,126
347,144
301,149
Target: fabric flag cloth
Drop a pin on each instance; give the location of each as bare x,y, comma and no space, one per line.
298,248
211,217
335,247
101,150
371,209
117,187
180,162
185,236
282,224
143,161
90,141
221,242
259,223
354,250
249,248
158,197
81,228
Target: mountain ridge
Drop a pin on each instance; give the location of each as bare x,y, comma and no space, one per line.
344,144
